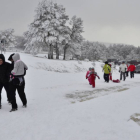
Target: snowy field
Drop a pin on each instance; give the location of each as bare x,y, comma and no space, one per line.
63,106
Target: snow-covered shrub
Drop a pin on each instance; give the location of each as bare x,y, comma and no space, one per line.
79,62
87,60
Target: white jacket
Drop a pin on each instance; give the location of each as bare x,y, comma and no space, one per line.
19,65
123,68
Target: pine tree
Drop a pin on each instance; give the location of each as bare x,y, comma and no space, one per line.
74,44
49,20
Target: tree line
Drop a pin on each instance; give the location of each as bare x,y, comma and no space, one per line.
53,31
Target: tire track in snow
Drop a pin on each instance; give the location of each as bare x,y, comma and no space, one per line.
88,95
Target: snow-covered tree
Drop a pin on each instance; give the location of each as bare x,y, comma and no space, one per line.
75,42
21,41
132,56
7,38
48,25
94,52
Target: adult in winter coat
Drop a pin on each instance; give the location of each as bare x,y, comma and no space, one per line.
87,76
4,77
106,70
122,70
92,76
18,73
131,68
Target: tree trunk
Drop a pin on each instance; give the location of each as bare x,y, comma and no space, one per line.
64,58
57,51
50,53
65,50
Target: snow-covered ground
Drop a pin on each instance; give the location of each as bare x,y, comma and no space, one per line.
63,106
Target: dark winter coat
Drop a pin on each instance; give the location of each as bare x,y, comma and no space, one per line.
12,64
11,67
4,70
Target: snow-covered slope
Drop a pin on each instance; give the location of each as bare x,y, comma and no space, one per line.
63,106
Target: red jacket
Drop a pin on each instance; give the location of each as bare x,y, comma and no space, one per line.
87,74
93,76
131,68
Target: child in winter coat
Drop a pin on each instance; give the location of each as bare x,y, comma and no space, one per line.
19,68
92,76
87,76
106,70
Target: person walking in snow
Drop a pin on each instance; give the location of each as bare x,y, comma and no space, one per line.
18,81
87,76
4,77
122,70
131,68
92,75
106,70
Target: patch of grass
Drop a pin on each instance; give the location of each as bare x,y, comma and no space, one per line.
136,118
89,98
123,89
73,102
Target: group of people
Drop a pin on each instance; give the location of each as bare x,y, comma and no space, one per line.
12,79
124,70
108,70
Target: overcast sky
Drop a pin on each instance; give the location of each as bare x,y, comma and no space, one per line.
111,21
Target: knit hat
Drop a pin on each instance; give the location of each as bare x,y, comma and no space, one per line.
106,62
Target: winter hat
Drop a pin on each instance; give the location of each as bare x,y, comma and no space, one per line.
89,68
16,57
92,68
2,57
10,57
106,62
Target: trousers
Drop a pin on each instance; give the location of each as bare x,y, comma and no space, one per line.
6,87
20,89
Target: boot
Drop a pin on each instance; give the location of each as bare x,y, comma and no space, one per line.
13,109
